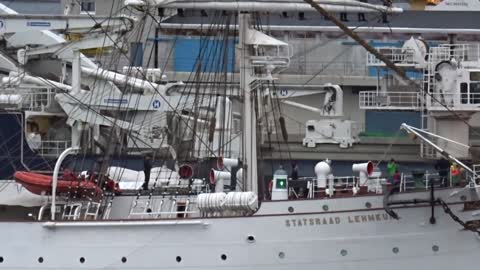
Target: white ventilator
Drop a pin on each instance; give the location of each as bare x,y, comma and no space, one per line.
226,163
218,177
365,170
331,189
322,170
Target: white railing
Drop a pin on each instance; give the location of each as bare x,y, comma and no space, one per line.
409,182
380,184
461,52
53,148
340,183
32,98
330,68
390,100
399,56
38,100
454,101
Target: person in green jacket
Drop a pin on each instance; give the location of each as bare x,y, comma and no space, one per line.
391,169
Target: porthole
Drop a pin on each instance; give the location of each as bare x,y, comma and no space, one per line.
435,248
124,259
149,210
82,259
40,259
368,205
290,209
251,239
395,250
325,207
223,257
343,252
179,259
1,259
281,255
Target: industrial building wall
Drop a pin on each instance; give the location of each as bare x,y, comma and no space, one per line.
101,7
34,6
189,50
139,39
317,55
312,55
320,58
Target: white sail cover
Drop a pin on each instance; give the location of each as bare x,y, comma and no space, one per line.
130,179
255,37
14,194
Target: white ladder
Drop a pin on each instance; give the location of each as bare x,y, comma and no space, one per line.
92,210
72,211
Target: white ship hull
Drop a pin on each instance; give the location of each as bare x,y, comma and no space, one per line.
333,239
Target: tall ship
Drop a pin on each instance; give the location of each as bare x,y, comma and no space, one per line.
321,55
198,196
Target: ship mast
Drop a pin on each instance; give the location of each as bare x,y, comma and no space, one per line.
249,40
249,143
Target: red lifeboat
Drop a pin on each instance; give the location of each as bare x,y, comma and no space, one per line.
68,183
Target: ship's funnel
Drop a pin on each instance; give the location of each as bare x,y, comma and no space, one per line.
217,178
322,170
223,163
364,169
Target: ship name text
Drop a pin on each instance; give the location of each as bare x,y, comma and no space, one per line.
333,220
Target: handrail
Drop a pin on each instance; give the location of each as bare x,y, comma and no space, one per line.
123,223
390,100
60,159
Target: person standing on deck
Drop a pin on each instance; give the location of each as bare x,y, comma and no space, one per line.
392,167
361,15
443,166
147,167
388,4
397,178
454,174
294,174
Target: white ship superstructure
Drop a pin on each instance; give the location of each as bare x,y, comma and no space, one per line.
445,90
356,222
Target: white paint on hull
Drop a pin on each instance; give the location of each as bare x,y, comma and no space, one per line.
366,244
338,240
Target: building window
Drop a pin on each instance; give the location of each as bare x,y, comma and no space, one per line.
136,54
87,7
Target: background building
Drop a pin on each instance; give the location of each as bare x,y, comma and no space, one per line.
321,54
34,6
